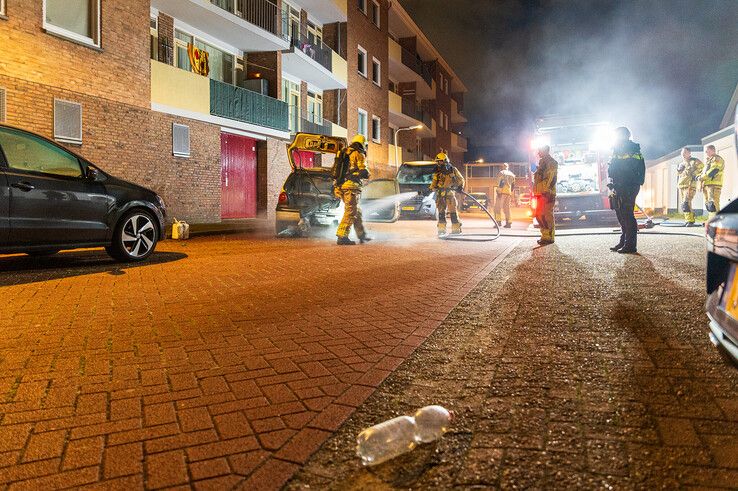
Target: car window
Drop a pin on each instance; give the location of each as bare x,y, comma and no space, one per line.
30,153
379,189
416,174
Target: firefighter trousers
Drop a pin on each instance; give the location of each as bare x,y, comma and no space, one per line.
545,218
712,193
351,214
446,202
687,197
502,204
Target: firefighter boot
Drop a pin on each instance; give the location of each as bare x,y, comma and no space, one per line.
365,238
508,225
455,228
441,229
345,241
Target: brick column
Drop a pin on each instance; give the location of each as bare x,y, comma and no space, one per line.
165,25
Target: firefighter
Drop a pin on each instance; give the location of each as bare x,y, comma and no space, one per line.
348,187
544,191
712,180
446,181
504,194
689,171
627,171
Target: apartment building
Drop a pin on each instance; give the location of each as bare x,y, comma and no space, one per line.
124,84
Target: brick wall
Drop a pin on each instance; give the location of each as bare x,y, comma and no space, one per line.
273,168
442,103
132,143
363,93
119,71
267,65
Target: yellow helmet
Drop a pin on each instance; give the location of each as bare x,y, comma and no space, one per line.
442,156
359,139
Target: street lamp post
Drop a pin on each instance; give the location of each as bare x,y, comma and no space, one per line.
409,128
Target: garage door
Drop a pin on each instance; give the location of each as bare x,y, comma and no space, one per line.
238,176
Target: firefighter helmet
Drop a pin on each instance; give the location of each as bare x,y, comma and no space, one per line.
361,139
622,133
442,157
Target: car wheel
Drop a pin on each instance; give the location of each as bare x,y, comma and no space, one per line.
281,226
42,252
135,237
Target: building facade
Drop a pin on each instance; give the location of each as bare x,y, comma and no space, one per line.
123,84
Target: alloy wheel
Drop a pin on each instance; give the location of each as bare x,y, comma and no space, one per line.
138,235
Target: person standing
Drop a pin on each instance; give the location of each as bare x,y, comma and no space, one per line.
544,191
446,181
689,171
348,186
627,171
504,194
712,180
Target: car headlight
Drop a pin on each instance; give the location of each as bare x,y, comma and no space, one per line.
161,202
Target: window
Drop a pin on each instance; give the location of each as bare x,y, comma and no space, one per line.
362,61
362,6
2,7
78,20
154,38
67,121
376,14
222,64
315,108
180,140
376,129
27,152
362,128
376,72
181,57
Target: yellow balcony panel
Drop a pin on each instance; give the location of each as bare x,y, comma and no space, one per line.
395,51
338,130
395,103
340,69
180,89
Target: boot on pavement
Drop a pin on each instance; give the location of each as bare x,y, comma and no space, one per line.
345,241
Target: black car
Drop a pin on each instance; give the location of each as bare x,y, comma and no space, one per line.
52,199
722,280
470,205
307,197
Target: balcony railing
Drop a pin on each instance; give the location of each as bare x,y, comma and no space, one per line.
262,13
231,102
317,51
417,65
410,108
323,128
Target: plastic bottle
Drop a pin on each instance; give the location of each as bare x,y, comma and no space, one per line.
392,438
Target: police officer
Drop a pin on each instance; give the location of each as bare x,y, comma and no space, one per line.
627,171
446,181
504,194
544,191
689,171
712,180
349,190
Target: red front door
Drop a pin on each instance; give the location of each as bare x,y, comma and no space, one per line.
237,176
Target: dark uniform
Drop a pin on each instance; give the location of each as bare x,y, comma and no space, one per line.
627,172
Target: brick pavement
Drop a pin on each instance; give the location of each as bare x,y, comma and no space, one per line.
225,362
569,367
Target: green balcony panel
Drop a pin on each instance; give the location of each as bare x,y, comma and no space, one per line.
231,102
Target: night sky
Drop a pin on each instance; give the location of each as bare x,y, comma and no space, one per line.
664,68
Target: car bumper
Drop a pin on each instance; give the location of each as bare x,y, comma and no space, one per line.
723,329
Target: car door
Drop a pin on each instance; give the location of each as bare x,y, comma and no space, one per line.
4,204
51,201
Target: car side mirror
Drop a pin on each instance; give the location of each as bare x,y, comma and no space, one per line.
93,174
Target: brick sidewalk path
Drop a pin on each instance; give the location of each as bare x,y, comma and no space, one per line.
224,362
569,367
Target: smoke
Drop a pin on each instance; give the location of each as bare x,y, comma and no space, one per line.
666,69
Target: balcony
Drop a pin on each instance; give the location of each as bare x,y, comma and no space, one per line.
459,143
456,116
406,112
405,67
326,11
249,25
231,102
315,63
324,127
168,84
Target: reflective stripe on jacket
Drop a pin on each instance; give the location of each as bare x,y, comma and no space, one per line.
357,169
447,179
506,183
712,175
544,178
689,172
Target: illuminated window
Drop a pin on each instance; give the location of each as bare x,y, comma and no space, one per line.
362,126
77,20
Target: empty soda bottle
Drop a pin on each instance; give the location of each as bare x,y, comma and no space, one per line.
392,438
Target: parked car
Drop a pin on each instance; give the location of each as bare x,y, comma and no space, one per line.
722,280
468,204
52,199
307,197
416,177
524,199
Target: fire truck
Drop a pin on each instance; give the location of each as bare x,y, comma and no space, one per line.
582,146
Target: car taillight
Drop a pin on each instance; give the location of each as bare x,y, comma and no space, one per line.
282,198
534,203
